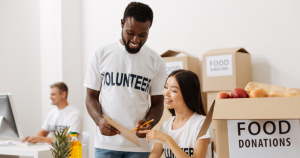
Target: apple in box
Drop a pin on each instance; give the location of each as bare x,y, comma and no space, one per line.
258,93
239,93
223,95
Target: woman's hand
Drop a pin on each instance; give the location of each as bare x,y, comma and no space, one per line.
156,135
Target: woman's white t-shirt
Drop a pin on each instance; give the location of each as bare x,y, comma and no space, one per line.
186,136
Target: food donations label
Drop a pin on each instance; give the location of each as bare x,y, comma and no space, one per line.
263,138
172,66
220,65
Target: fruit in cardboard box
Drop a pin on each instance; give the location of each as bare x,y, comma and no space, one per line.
223,95
266,87
239,93
277,91
251,86
258,93
292,92
272,91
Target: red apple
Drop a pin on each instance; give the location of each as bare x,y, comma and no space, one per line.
239,93
223,95
258,93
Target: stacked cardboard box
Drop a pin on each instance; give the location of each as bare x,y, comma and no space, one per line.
224,70
256,127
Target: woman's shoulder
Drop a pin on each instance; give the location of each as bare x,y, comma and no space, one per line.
167,123
198,117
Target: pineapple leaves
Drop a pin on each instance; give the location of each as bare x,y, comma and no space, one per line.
61,144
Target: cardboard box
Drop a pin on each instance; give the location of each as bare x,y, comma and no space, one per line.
211,96
204,102
215,141
225,69
176,59
273,124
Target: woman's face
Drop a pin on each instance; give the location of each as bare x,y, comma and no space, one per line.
172,94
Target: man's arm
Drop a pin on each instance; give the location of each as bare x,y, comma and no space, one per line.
40,137
94,109
42,133
155,112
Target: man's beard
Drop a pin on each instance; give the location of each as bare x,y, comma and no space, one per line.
131,50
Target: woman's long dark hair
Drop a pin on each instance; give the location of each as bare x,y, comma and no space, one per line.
189,85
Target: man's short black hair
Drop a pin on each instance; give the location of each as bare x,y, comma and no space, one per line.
139,11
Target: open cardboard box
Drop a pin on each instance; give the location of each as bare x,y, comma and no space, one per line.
223,111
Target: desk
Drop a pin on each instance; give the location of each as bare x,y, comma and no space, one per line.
35,151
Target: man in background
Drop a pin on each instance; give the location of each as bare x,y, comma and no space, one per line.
63,115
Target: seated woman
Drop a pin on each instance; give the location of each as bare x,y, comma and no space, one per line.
178,136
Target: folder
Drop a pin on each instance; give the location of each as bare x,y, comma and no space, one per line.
124,132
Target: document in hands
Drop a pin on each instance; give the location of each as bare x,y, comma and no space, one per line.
124,132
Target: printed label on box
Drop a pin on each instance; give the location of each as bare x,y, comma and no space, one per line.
220,65
175,65
263,138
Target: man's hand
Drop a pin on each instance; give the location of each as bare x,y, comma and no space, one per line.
34,139
106,129
142,128
25,139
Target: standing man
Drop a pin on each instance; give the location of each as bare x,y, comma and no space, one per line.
62,116
125,72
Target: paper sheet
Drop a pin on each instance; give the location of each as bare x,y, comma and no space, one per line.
124,132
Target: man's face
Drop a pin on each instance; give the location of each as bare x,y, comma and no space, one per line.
55,96
134,34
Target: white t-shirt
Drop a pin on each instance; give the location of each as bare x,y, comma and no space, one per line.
59,119
186,136
125,81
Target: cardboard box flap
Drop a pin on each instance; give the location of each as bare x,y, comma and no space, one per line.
207,121
173,53
226,50
185,53
257,108
170,53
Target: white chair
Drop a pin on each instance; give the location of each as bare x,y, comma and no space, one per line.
85,137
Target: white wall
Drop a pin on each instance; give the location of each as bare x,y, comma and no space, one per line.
61,54
20,60
268,29
72,70
51,51
40,43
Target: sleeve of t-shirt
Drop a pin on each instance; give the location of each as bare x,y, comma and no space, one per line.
209,134
93,78
157,85
46,122
75,123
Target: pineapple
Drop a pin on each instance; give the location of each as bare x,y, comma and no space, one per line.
61,144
